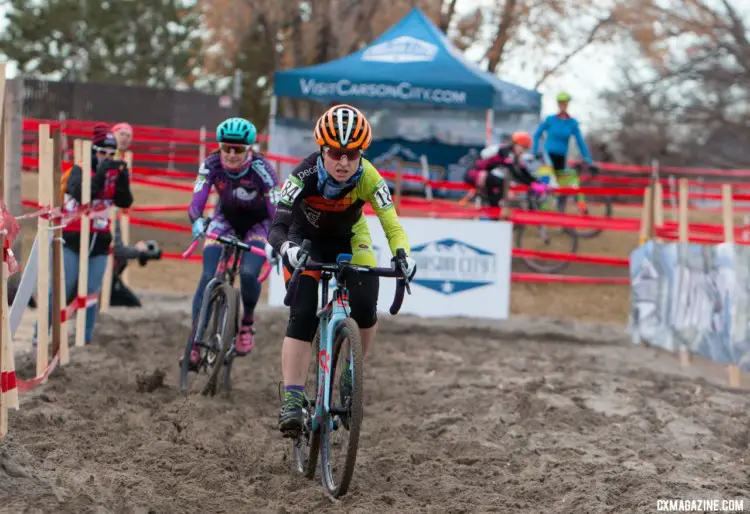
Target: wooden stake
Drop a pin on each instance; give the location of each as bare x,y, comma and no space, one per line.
45,177
647,213
59,346
83,253
733,372
658,204
682,219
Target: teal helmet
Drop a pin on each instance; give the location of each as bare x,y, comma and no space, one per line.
236,130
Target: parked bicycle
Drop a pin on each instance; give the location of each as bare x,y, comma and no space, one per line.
218,322
324,417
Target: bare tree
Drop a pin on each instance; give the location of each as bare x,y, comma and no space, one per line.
695,103
530,30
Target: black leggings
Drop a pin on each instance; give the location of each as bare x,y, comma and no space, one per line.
363,294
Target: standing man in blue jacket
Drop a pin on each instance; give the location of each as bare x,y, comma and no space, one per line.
559,128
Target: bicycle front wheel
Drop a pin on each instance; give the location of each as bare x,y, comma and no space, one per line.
337,458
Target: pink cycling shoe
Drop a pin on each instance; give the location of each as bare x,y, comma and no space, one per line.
195,356
244,342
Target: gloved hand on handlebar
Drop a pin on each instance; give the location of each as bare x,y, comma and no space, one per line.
271,255
290,253
199,227
411,267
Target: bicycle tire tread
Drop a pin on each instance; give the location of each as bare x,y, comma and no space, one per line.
356,408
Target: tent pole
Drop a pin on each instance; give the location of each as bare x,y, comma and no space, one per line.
489,126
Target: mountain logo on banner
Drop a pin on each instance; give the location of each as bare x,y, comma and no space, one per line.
402,49
449,266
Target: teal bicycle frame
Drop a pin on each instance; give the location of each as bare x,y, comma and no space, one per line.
331,316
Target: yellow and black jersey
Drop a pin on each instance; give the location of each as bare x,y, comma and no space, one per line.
303,213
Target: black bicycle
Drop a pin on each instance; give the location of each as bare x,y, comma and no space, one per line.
218,322
325,417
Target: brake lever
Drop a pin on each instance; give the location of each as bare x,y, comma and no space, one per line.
402,264
303,259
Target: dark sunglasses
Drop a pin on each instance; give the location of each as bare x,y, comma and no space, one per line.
337,153
227,148
106,151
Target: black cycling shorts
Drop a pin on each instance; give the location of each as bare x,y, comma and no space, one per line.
559,162
495,189
363,292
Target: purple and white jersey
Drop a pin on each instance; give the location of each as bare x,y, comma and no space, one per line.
246,205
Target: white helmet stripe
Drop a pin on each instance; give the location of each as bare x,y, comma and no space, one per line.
344,138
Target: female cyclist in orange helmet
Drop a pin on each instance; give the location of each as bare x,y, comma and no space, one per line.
322,201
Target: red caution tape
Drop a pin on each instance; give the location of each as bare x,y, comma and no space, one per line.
164,225
572,257
27,385
568,279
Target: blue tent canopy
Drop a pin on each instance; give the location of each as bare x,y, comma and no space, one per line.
412,62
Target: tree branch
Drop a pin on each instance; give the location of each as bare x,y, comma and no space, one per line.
507,20
578,49
445,18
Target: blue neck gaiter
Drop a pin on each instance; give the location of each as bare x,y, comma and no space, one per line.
328,187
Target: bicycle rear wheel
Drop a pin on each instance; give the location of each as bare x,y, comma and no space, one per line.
336,477
213,338
306,446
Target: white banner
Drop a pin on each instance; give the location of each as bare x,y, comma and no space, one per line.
463,268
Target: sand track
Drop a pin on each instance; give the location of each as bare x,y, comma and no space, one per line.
526,416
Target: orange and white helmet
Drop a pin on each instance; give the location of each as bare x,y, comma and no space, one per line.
345,127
